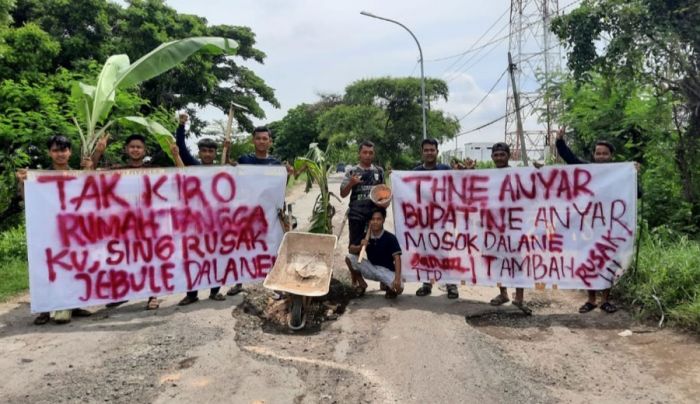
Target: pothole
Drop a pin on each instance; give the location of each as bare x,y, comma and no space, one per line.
272,315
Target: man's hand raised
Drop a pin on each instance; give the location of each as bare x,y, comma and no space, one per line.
561,132
21,174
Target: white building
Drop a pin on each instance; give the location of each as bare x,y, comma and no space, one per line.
479,151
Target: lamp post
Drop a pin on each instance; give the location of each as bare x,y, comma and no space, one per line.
422,75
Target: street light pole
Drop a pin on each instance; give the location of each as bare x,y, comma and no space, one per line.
422,74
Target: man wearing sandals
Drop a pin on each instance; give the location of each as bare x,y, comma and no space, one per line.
358,183
603,153
500,154
429,154
207,155
59,148
135,151
383,261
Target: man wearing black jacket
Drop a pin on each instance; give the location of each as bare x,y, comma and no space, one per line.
207,155
603,153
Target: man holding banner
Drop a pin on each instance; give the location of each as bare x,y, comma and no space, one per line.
500,155
564,227
59,150
207,155
262,141
136,152
108,236
602,153
429,154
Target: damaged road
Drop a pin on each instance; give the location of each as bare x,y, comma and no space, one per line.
412,349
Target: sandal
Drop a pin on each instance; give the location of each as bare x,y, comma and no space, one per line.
81,313
115,304
523,307
452,291
238,288
153,303
218,297
424,290
499,300
184,302
588,306
608,307
42,319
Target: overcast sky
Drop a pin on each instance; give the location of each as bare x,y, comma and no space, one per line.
315,46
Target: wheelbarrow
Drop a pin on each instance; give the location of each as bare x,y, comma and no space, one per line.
303,270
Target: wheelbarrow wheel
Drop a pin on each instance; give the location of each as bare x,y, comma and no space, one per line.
297,317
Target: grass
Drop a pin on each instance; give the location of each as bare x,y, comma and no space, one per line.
14,277
669,269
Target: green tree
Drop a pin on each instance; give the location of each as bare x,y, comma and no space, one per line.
90,30
399,98
26,51
654,44
345,126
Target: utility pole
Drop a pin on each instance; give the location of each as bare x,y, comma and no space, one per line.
516,100
536,53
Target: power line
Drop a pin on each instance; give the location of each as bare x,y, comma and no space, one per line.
456,74
497,119
493,40
493,43
475,43
484,98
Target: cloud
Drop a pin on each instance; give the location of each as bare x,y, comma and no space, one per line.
322,46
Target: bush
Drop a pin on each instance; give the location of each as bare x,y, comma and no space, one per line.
668,268
13,244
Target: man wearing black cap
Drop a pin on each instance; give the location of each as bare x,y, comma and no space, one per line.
500,154
429,154
207,156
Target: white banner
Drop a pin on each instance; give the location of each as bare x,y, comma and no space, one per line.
104,236
569,226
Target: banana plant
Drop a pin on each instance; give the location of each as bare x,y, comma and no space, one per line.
317,167
96,102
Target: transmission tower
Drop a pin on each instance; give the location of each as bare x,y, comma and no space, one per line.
536,55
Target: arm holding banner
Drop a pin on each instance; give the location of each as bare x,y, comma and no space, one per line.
176,155
100,148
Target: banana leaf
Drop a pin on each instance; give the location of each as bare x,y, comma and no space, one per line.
169,55
118,72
